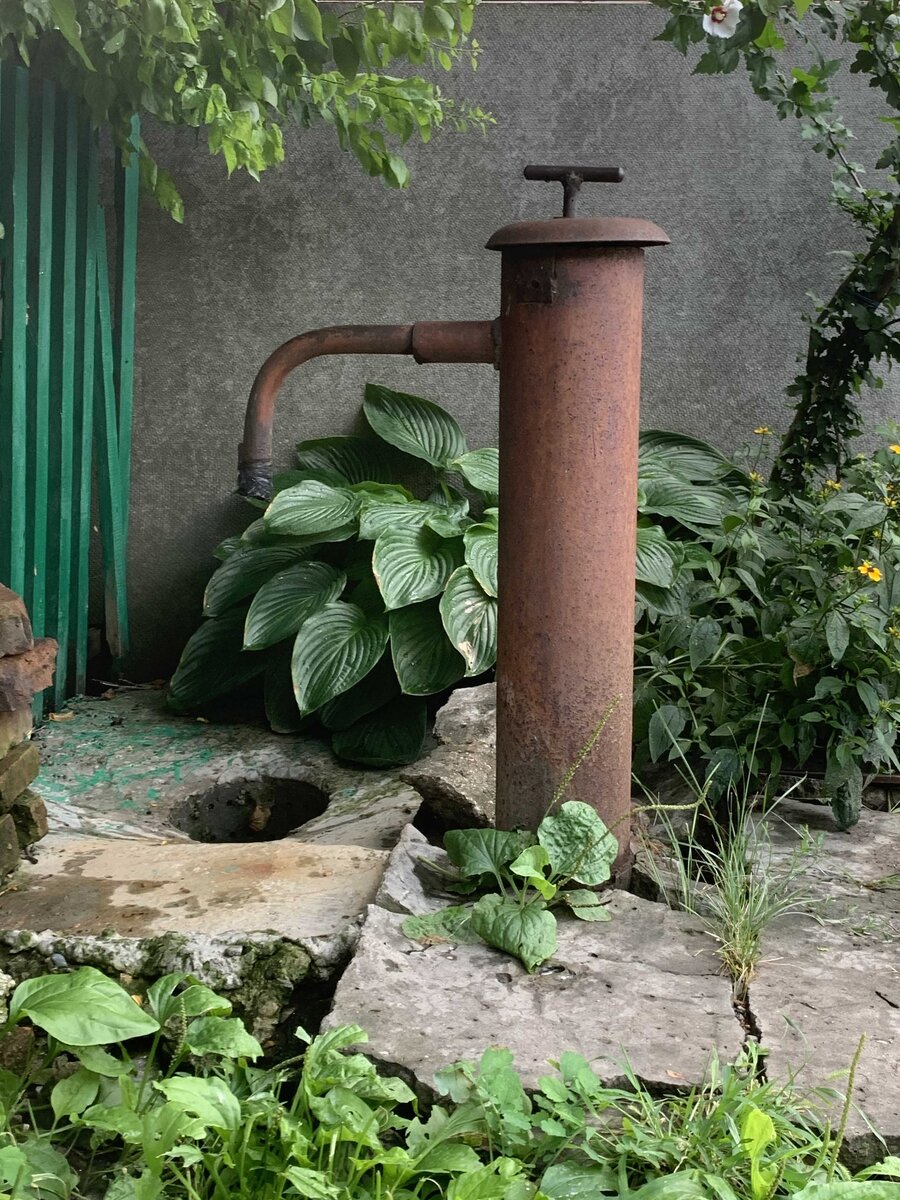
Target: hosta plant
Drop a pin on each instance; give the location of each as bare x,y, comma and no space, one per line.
370,581
368,584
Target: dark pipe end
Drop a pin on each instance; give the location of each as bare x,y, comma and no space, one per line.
255,480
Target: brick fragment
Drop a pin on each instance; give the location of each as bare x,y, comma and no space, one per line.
29,814
9,846
17,770
15,628
15,727
22,676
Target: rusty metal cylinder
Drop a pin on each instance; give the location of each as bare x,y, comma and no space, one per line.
570,361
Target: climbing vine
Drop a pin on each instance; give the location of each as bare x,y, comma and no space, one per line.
241,69
857,330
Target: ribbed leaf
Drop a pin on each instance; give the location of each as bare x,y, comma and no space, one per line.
672,497
284,602
311,507
470,619
373,691
413,564
377,517
481,468
656,557
341,461
389,737
244,572
282,712
414,425
424,659
334,649
213,663
481,555
687,456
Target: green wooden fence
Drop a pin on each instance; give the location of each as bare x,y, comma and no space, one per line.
66,369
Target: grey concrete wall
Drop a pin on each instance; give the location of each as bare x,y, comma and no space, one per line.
316,243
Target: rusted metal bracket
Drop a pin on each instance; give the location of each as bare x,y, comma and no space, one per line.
572,177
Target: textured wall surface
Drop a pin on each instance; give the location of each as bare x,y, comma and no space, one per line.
318,243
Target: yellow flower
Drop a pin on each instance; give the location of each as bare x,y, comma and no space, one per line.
893,631
876,534
755,477
864,567
875,575
894,447
870,571
890,503
833,485
765,431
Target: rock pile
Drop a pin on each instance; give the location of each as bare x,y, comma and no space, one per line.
26,668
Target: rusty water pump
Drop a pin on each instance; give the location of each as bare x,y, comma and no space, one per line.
567,345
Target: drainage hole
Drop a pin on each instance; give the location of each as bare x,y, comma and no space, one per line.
249,810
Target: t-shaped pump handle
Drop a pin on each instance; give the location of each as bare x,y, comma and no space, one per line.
572,178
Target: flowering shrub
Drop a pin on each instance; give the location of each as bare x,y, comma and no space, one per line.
781,643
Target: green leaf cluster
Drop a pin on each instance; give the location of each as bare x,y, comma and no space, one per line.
163,1097
523,876
779,648
354,597
856,328
240,72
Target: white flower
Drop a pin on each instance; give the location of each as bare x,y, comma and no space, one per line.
722,20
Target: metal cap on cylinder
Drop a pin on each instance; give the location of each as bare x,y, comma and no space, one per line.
579,231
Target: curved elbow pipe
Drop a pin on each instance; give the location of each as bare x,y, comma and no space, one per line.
426,341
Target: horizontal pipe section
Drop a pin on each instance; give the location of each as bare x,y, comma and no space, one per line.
427,341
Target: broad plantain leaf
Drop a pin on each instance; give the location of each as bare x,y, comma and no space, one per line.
526,931
481,468
424,659
414,425
476,852
214,662
244,571
342,461
656,557
577,1181
578,843
83,1008
481,555
310,508
334,649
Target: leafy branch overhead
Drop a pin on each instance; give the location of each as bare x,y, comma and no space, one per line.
242,70
857,327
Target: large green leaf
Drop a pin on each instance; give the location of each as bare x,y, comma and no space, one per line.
245,571
686,456
414,425
477,852
214,662
284,602
334,649
373,691
481,468
210,1100
311,507
342,461
577,1181
413,564
452,924
481,554
528,932
378,517
83,1008
656,557
387,737
282,712
470,619
578,843
668,496
424,659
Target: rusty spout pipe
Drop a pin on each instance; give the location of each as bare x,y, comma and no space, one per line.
426,341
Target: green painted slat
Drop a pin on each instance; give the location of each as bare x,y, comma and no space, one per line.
87,281
66,401
127,196
44,143
6,157
109,479
16,299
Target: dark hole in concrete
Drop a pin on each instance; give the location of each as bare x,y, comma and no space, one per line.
249,810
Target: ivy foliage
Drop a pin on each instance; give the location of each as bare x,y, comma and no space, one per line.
241,69
856,329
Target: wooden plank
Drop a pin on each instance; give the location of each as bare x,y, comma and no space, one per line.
127,197
44,142
66,399
109,479
83,493
15,334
